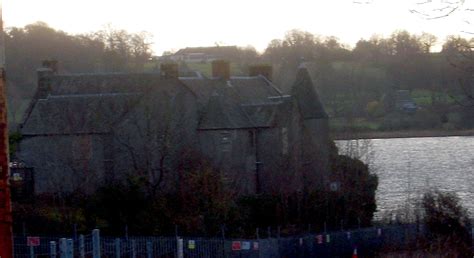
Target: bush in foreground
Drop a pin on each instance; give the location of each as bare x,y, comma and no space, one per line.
447,222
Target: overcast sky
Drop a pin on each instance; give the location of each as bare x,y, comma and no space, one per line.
180,23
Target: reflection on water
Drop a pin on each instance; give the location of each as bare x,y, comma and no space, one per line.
407,167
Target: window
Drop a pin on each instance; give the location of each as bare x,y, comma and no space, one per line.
82,148
226,141
284,140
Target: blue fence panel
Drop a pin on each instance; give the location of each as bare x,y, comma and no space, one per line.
368,241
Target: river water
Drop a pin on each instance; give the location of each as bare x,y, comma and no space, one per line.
408,167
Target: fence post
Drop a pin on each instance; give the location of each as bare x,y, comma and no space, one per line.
223,232
149,249
223,239
75,231
70,248
62,248
32,252
95,243
23,224
126,232
117,248
52,249
180,247
82,251
134,252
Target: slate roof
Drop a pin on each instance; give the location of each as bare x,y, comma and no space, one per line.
241,102
104,83
77,114
223,112
202,88
254,90
92,103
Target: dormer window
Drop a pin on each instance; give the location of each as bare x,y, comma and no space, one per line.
284,140
225,141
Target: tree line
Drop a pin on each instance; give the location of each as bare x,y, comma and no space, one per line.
362,82
107,50
353,82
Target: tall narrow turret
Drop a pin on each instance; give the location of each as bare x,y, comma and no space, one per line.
315,131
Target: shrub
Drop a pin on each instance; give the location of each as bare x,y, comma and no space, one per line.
355,201
374,109
447,221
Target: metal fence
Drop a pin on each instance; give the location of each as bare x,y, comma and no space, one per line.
367,241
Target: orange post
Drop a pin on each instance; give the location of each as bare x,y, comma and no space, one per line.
6,234
354,254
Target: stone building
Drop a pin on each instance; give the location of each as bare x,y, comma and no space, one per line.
84,130
204,54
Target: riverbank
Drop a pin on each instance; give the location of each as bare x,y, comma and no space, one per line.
400,134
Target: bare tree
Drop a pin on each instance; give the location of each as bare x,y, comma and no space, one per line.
459,53
153,139
124,51
437,9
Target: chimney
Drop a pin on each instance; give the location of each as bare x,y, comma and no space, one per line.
44,82
51,64
50,67
263,69
169,70
221,69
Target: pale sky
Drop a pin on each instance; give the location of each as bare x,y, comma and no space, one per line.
180,23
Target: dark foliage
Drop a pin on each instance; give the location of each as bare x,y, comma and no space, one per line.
201,205
110,50
447,221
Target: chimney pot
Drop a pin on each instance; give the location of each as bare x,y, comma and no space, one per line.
263,69
221,69
51,64
44,83
169,70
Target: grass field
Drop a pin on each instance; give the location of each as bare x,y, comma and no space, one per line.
424,97
358,124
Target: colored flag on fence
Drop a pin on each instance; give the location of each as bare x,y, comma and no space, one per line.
328,238
236,246
32,241
245,245
255,245
191,244
319,239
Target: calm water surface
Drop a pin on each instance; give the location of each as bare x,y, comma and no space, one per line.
407,167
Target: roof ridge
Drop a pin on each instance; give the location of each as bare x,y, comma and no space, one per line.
271,84
240,107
